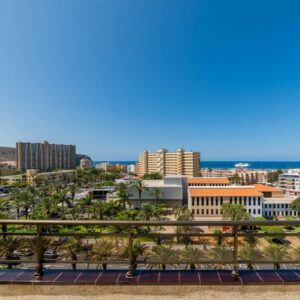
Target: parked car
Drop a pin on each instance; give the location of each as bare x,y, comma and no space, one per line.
50,254
23,252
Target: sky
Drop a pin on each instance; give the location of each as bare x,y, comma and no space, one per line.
117,77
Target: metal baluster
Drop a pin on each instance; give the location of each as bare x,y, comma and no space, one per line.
39,252
130,273
235,272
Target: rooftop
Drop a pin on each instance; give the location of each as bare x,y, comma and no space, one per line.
266,188
208,180
227,191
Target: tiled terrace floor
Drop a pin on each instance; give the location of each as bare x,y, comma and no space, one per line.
203,277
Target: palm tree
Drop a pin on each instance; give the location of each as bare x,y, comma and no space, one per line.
149,212
276,252
24,199
221,253
140,187
45,244
218,236
122,194
137,250
192,254
49,206
72,188
102,249
163,253
73,246
249,253
156,193
8,245
183,214
234,212
100,208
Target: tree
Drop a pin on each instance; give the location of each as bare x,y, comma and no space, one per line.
149,212
73,246
295,205
137,250
23,199
140,187
192,254
276,252
183,214
8,245
163,253
102,249
249,253
152,176
221,253
235,179
218,236
72,188
156,193
123,194
234,212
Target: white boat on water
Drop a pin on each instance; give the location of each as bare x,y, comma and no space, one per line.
242,165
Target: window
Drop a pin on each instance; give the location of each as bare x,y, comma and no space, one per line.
217,201
202,211
197,211
217,211
207,212
212,211
254,211
212,201
254,201
193,201
258,200
202,201
249,201
221,200
258,211
230,200
245,201
249,210
193,211
206,200
235,200
197,201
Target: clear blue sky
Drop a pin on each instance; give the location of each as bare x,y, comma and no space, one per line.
116,77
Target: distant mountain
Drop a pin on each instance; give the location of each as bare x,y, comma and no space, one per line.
7,154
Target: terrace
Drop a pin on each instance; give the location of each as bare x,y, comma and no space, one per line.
169,265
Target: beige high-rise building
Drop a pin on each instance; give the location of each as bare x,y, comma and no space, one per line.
45,156
169,163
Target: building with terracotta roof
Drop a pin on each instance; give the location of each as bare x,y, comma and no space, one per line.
258,200
207,201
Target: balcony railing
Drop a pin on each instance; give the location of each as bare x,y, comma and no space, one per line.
129,231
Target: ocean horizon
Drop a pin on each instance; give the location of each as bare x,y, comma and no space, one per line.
284,165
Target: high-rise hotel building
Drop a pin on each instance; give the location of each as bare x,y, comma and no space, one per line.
45,156
166,163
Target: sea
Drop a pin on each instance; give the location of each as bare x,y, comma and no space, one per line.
265,165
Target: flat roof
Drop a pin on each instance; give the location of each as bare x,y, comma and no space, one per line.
209,180
224,191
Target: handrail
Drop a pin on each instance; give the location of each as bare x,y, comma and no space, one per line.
152,223
234,233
